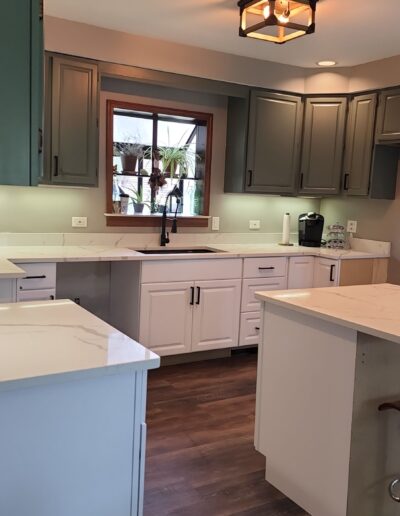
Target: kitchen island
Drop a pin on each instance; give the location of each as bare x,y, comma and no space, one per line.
329,359
72,404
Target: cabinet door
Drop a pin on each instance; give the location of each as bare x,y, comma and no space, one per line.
216,315
274,143
359,144
250,329
7,290
166,317
323,144
301,272
388,119
20,98
74,132
326,273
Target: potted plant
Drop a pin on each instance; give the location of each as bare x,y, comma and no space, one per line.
130,151
138,202
177,161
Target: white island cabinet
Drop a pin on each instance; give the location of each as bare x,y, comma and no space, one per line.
329,359
72,405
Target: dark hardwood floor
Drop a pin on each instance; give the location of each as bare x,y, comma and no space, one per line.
200,455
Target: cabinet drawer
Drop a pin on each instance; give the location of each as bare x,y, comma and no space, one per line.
264,267
38,276
36,295
162,271
250,329
251,286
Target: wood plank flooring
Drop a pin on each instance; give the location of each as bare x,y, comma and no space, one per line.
200,455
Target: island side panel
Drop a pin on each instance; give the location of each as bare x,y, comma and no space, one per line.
73,448
305,411
375,444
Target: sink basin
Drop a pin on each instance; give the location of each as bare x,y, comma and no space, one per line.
198,250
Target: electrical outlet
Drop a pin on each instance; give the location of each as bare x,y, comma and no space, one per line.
254,224
79,222
351,226
215,224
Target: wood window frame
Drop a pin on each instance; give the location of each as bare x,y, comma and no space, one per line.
116,220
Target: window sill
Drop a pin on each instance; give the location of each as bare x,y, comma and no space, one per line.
118,220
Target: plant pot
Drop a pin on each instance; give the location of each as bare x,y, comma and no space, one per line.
138,207
128,162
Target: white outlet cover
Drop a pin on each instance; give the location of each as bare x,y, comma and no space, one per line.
215,223
352,226
254,224
79,222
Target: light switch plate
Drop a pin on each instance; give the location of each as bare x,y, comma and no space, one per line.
351,226
254,224
215,223
79,222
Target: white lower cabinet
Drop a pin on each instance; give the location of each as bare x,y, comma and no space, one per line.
249,329
301,272
326,273
216,314
166,317
186,316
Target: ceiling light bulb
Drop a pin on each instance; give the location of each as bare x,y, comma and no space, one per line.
284,17
267,10
327,63
283,12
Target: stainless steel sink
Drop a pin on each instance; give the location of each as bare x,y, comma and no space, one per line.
197,250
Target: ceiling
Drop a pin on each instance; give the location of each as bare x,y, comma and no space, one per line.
350,32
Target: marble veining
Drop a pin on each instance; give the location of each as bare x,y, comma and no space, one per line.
371,309
48,339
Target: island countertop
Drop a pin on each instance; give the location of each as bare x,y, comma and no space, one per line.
46,341
370,309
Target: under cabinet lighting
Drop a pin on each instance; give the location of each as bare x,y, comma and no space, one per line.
327,63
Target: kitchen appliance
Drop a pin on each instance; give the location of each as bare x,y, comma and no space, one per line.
311,226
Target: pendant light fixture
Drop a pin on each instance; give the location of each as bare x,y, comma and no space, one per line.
278,21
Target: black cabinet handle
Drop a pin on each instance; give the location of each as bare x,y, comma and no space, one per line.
266,268
250,178
192,296
43,276
301,181
55,166
52,298
257,328
40,141
346,182
198,296
331,278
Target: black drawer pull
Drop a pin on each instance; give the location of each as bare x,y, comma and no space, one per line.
257,328
192,296
331,278
55,166
198,296
266,268
346,182
250,178
36,277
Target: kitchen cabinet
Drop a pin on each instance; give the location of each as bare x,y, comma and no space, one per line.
39,284
21,55
359,144
301,272
388,118
215,314
166,317
326,273
368,169
250,329
181,317
71,121
7,290
274,143
323,145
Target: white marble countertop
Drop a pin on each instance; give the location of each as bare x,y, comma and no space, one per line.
19,254
48,341
371,309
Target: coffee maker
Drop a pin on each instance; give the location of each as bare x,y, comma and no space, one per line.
311,226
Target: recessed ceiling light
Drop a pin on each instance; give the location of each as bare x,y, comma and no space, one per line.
327,63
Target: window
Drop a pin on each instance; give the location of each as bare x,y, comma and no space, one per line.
151,150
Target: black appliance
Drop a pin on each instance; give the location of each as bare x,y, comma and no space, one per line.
311,227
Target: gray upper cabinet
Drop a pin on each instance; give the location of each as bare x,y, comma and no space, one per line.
388,119
21,51
323,146
359,144
274,143
72,122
